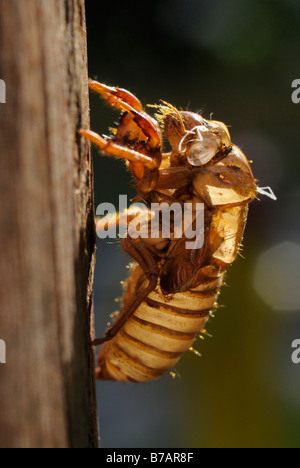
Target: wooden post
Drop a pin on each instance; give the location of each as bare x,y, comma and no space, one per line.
47,234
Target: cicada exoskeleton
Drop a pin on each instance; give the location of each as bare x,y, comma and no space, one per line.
172,288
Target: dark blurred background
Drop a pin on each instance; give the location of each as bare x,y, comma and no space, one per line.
236,60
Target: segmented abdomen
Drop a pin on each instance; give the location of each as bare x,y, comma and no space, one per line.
164,327
159,332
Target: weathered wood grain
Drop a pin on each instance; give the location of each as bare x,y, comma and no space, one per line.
47,236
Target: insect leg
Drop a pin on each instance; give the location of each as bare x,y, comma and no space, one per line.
123,219
126,101
147,126
147,263
112,149
174,178
115,96
116,220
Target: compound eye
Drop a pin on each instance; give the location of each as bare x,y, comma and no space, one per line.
202,150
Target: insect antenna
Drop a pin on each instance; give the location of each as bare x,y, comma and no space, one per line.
166,109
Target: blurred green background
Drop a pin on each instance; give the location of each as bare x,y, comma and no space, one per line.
236,60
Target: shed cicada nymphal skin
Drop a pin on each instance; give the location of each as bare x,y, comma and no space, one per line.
171,290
